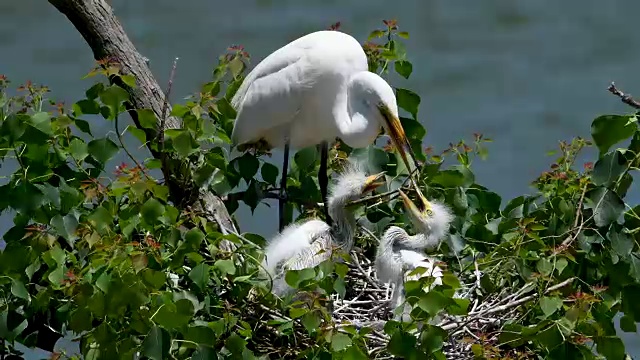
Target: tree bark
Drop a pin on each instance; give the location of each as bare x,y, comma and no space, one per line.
94,19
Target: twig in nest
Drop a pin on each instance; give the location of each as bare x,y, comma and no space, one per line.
625,98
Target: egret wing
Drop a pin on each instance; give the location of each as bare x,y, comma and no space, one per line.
273,93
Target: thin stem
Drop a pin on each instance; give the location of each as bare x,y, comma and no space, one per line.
119,136
163,118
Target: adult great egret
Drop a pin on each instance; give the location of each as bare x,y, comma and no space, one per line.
308,244
309,92
398,254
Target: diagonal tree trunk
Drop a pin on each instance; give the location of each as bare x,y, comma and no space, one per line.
94,19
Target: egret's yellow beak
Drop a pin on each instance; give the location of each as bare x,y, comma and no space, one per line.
371,182
422,208
397,135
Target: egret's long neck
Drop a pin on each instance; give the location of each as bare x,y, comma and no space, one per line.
419,241
358,124
344,223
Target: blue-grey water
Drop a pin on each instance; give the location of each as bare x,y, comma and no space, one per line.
525,73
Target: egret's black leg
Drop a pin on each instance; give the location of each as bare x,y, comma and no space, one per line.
283,185
323,177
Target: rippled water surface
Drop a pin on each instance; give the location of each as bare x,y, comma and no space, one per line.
526,73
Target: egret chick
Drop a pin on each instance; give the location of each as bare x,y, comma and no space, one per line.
310,91
307,244
399,254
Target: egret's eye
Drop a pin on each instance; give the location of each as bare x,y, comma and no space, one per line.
429,212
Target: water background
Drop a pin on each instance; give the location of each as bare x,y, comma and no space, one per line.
526,74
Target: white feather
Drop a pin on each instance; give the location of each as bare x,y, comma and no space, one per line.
307,244
313,89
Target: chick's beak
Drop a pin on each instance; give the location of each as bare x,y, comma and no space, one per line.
372,182
422,208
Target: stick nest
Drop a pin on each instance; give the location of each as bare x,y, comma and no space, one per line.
366,303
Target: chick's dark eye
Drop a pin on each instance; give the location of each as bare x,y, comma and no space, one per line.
430,212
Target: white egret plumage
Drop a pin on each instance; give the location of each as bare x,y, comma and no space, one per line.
398,254
309,243
311,91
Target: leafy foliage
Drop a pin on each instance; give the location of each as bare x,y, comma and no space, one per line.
114,258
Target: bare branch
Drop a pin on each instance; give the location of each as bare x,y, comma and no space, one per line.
625,98
95,21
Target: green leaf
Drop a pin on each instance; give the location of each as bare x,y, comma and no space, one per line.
269,173
153,278
550,305
306,158
94,91
376,34
42,122
204,352
18,289
295,313
129,80
56,276
81,320
66,227
621,242
78,149
13,128
403,68
104,282
607,205
175,315
235,344
409,101
413,129
294,277
246,165
58,255
402,344
311,321
147,118
225,266
83,126
137,133
200,275
433,302
611,347
544,266
354,353
182,141
194,237
457,176
152,210
608,169
561,264
608,130
113,96
236,66
627,324
86,106
102,150
101,219
199,334
340,341
156,344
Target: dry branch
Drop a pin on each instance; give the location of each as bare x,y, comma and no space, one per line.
625,98
95,21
